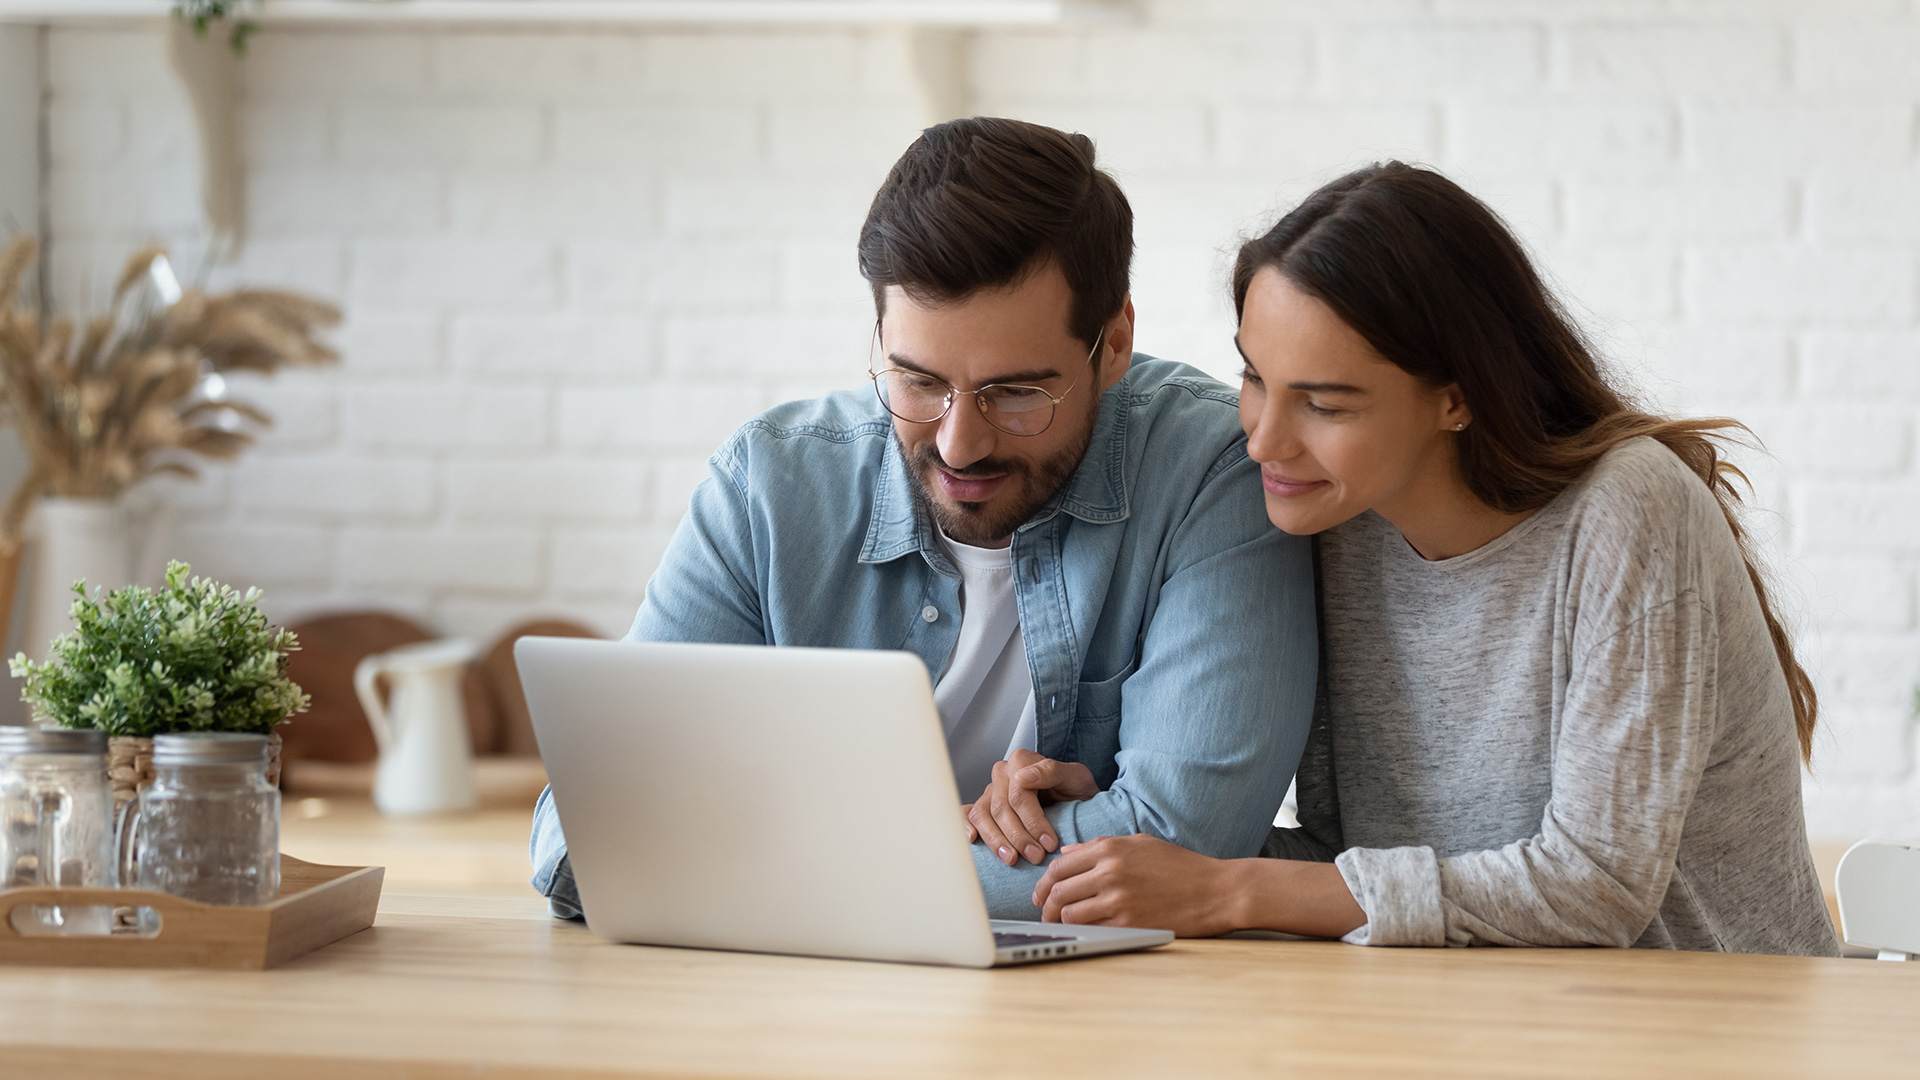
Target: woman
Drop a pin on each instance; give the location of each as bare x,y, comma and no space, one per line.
1557,707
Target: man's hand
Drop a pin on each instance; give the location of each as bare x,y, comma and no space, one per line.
1008,818
1138,881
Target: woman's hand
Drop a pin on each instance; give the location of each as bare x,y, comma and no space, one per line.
1008,817
1144,881
1139,881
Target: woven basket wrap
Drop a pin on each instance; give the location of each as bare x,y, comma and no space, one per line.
130,765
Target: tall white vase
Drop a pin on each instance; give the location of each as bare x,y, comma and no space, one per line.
73,539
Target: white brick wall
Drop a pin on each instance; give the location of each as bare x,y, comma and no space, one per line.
574,261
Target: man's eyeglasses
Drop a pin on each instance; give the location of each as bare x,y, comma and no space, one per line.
919,398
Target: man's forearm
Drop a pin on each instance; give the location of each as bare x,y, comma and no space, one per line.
1008,889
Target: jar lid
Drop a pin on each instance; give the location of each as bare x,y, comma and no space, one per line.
38,740
208,748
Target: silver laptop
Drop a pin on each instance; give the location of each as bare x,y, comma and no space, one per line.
770,800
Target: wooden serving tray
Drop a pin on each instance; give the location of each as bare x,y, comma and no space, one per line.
317,906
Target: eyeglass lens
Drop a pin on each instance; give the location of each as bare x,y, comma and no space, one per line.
921,399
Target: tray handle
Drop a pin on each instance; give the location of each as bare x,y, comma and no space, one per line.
177,916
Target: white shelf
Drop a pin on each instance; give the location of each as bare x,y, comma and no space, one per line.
950,13
935,32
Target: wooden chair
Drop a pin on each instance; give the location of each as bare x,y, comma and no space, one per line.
330,750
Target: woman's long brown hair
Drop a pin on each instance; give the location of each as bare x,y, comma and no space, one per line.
1437,284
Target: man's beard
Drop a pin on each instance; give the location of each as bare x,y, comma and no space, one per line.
1029,485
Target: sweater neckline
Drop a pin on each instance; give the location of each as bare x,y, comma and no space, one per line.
1486,552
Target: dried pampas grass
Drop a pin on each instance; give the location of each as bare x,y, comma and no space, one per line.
133,392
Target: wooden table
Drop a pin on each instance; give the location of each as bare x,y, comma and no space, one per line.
463,973
461,986
478,854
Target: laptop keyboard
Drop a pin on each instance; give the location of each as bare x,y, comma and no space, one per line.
1005,938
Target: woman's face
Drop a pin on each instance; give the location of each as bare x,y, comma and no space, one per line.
1336,428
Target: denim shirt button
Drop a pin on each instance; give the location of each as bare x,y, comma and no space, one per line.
930,613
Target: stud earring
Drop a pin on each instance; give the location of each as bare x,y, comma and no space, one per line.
1459,427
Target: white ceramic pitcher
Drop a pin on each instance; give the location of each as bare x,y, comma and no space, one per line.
426,754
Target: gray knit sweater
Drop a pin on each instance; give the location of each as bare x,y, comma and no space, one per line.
1578,734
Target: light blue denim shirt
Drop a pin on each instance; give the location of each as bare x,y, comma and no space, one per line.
1169,626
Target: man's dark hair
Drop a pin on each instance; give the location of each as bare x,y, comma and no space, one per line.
980,203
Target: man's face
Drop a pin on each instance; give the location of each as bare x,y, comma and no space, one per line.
979,482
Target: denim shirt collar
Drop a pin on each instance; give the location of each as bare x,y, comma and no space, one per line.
1096,492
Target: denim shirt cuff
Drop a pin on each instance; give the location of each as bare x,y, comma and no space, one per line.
563,897
552,870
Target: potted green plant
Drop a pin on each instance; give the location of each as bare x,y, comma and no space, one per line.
193,656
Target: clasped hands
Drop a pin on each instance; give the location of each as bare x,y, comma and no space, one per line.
1115,880
1010,816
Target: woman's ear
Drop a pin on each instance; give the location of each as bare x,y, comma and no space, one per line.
1454,414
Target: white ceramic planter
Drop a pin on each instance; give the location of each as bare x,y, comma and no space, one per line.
73,539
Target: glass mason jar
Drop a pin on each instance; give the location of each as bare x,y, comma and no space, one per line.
208,827
56,823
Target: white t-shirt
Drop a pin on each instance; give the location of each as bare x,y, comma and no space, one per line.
986,696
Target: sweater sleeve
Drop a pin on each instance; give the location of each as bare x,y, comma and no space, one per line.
1635,736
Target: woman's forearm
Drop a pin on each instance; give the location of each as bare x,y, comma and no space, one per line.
1306,898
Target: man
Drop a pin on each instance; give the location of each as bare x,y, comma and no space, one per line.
1071,537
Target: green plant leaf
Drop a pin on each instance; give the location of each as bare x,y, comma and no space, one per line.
204,13
192,656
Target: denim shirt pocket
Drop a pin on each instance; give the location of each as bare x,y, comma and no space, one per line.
1096,726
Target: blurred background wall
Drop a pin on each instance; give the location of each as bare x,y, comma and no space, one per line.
573,261
21,88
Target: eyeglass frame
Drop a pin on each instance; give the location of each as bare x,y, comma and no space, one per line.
954,392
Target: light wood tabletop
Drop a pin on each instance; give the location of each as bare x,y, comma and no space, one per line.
460,986
464,974
483,853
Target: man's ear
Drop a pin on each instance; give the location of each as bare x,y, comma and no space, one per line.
1116,347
